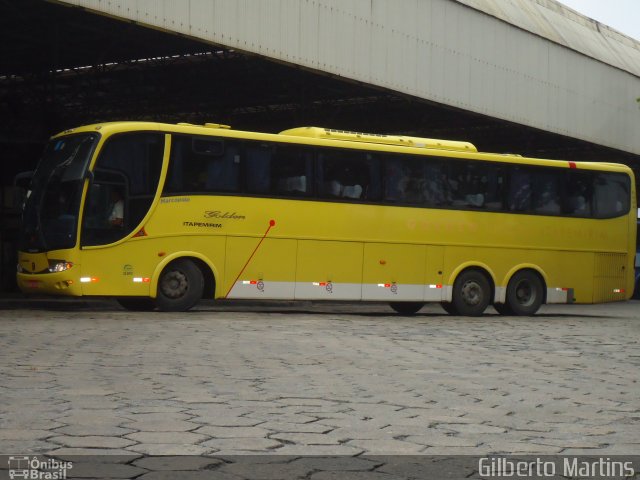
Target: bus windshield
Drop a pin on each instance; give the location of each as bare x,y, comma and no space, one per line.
50,216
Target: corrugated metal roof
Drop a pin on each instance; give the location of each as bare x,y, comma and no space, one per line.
555,21
532,62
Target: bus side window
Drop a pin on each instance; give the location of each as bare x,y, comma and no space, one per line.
611,195
579,193
519,195
222,171
348,175
200,165
404,180
467,182
490,181
436,192
291,172
184,168
455,184
372,181
394,180
493,182
258,168
546,192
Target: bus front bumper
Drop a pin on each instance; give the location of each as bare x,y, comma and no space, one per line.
58,283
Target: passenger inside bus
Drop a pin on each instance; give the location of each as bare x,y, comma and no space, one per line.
435,186
475,191
289,173
116,215
404,182
519,199
578,195
547,195
467,190
342,181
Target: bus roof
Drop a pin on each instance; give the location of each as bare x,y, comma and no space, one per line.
318,136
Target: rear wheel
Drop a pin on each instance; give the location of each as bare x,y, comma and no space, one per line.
180,286
406,308
471,293
137,304
525,293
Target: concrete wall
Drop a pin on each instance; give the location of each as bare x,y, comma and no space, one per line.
440,50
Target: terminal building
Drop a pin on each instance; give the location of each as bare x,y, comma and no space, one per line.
530,77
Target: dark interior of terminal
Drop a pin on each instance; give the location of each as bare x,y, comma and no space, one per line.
62,67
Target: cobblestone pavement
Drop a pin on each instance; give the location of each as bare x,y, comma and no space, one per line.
322,379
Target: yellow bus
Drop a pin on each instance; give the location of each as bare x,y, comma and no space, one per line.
160,216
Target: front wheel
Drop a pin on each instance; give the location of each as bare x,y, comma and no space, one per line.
471,293
406,308
525,293
180,286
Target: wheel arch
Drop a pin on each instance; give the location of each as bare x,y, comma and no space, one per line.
518,268
209,272
463,267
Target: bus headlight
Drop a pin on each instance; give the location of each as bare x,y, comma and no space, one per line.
59,266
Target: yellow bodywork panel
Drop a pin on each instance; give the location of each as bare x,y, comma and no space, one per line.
392,263
255,261
329,261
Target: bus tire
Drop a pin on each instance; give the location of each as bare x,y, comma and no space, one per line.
406,308
449,308
471,293
525,293
503,309
137,304
180,286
